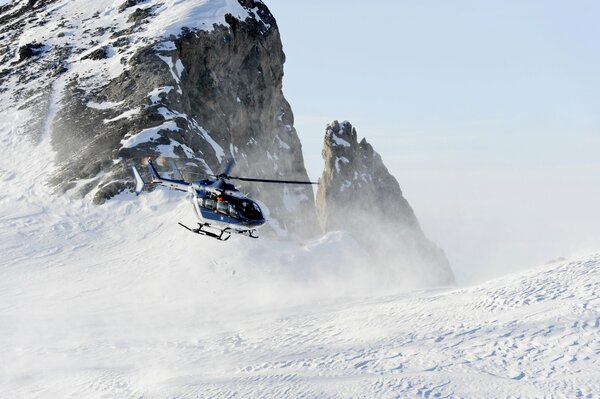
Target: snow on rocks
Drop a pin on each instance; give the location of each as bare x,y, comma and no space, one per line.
150,134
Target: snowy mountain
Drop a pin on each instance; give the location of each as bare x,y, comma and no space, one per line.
109,82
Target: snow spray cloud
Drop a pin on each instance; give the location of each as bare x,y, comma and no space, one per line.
125,276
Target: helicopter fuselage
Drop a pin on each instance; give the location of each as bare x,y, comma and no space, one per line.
225,208
217,203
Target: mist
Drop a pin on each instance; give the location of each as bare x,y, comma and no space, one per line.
495,212
490,228
486,116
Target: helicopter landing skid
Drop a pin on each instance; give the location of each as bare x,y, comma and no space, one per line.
247,233
219,236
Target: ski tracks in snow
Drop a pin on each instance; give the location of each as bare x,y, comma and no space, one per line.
533,335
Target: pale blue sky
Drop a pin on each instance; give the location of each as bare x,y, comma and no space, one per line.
488,114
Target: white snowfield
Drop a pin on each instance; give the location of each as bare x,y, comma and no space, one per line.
118,301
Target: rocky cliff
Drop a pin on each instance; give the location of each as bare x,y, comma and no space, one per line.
358,194
109,82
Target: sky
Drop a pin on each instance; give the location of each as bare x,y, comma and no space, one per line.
487,113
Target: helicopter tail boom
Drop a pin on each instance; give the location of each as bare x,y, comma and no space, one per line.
139,182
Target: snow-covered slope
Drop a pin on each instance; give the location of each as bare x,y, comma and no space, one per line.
119,302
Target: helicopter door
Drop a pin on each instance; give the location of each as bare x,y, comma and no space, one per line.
233,212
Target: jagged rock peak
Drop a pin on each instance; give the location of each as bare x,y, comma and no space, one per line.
359,195
352,170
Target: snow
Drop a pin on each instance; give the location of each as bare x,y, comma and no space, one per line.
150,134
174,72
179,68
103,106
147,135
169,114
56,91
154,95
173,15
339,141
125,115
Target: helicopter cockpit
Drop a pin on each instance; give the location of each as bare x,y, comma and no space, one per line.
236,208
250,210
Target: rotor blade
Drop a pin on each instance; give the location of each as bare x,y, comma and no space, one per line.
228,167
139,182
271,181
176,173
200,174
219,185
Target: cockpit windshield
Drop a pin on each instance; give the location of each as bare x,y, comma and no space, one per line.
234,207
250,210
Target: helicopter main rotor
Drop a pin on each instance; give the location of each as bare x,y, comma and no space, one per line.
231,163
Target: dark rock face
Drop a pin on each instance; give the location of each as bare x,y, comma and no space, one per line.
358,194
139,15
97,54
129,3
29,50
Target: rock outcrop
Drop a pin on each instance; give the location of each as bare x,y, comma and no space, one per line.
200,82
358,194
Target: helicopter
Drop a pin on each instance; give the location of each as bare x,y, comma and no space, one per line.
221,208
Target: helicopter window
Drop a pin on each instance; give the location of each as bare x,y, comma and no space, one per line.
250,210
222,207
209,204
